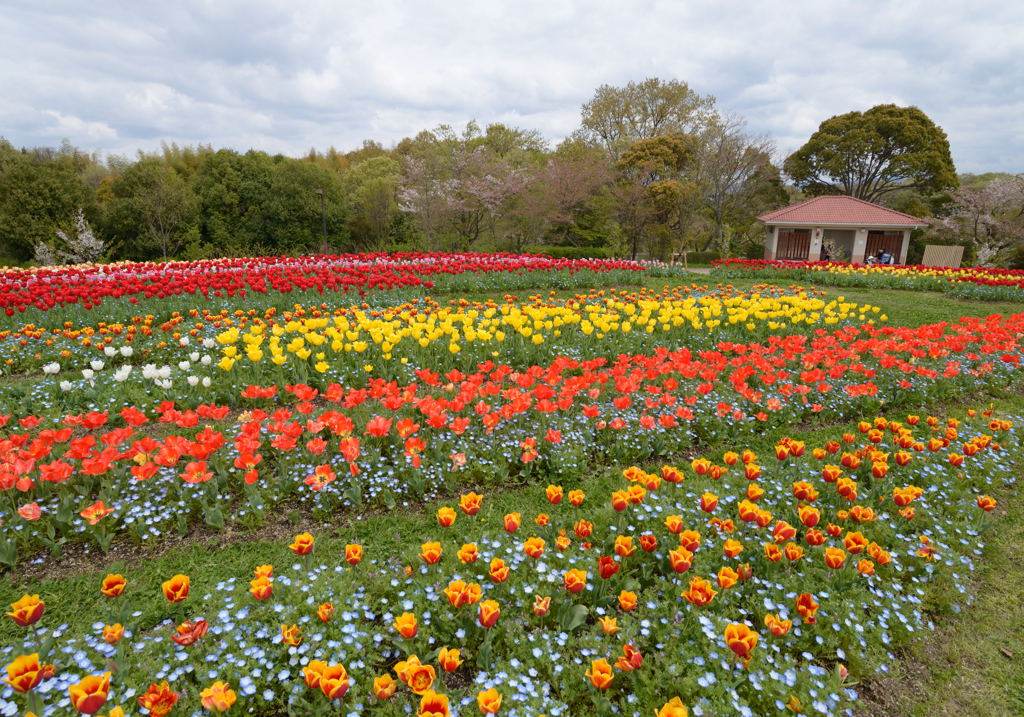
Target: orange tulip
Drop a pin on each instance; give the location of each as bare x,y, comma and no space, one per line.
313,672
630,660
783,531
600,674
575,581
620,500
489,701
433,705
489,612
264,571
113,586
754,492
627,600
727,577
732,548
27,611
554,494
866,568
624,546
405,668
261,588
834,558
830,474
325,612
158,699
89,695
607,567
745,572
449,659
608,625
303,544
406,625
806,606
855,542
690,539
576,498
291,636
701,466
468,554
700,593
793,552
421,678
740,639
752,471
648,542
834,530
809,516
25,673
113,633
383,687
431,554
334,682
512,522
541,606
708,502
730,458
499,573
776,626
680,559
445,517
583,529
986,503
674,523
814,537
772,552
534,547
847,488
176,589
470,503
673,708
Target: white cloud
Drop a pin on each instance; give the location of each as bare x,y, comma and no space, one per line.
283,77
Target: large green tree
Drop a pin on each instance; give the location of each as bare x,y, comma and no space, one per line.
617,117
38,196
869,155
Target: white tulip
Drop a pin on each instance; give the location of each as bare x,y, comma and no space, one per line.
193,381
206,382
194,356
121,374
87,374
53,368
126,351
207,360
167,383
110,351
209,343
149,371
165,372
65,386
96,365
184,341
184,365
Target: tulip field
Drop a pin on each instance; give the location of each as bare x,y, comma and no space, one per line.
509,485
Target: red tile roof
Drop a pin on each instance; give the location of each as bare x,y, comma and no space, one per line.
840,210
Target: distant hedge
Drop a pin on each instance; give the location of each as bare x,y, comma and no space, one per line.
571,252
702,257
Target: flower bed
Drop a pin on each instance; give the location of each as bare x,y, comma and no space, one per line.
974,283
743,586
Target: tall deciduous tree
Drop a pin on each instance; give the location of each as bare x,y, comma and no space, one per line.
371,186
989,218
163,199
870,154
617,117
736,174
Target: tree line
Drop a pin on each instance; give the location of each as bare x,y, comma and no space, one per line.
654,170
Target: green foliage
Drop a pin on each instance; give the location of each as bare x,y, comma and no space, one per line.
868,155
37,197
571,252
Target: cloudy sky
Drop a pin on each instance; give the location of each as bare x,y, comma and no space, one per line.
285,76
